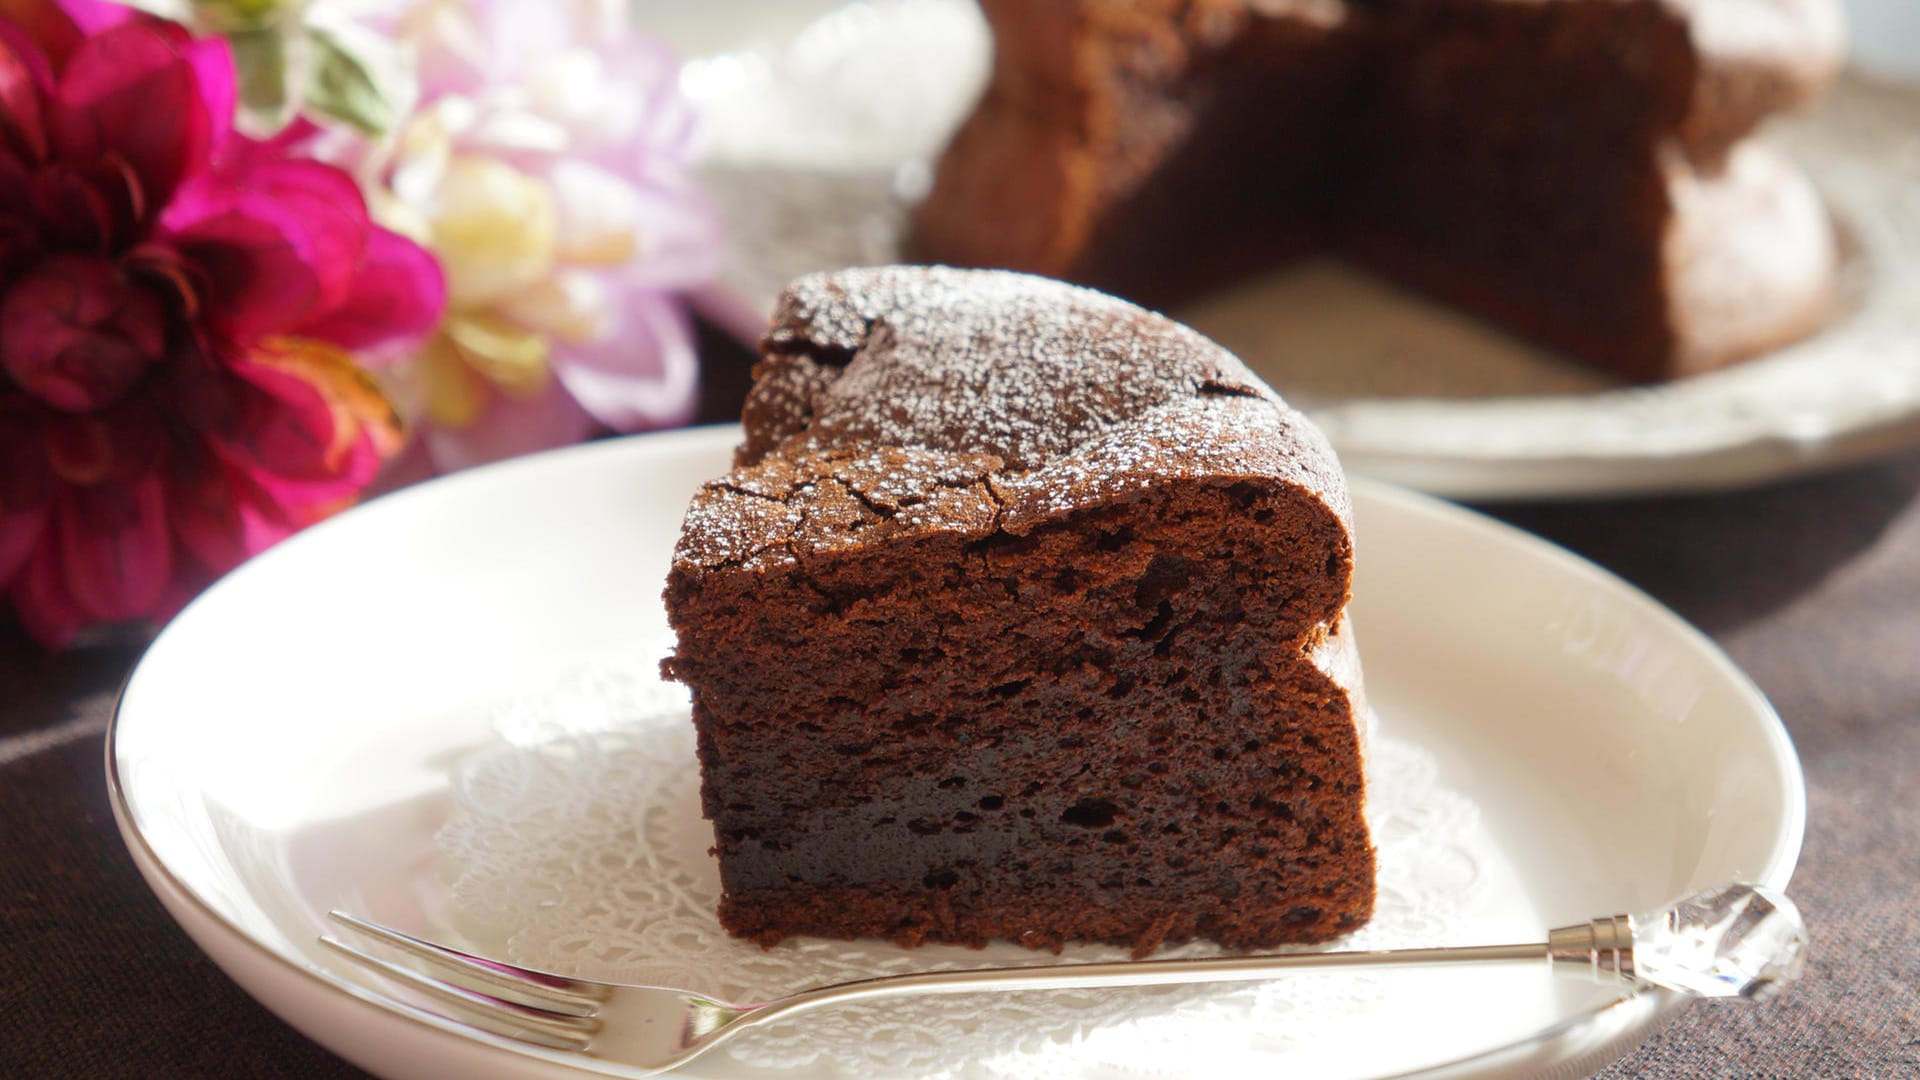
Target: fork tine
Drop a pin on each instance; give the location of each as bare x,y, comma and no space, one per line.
548,993
508,1019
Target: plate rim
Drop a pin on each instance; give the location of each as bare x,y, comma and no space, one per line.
1629,1019
1730,466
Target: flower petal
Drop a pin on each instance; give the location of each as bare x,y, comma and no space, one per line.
20,82
264,522
94,16
445,391
680,232
508,428
328,204
349,392
224,518
189,583
667,120
621,98
130,90
72,212
284,425
641,371
312,418
51,616
449,49
205,520
572,305
599,222
42,24
493,228
392,304
219,82
20,532
503,353
115,553
258,264
80,449
27,478
78,335
413,465
296,502
19,239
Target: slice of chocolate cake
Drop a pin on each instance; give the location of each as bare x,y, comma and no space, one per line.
1021,616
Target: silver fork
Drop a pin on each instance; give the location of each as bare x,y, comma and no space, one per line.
1738,940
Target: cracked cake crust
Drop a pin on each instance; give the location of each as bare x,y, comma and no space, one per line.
1021,616
935,430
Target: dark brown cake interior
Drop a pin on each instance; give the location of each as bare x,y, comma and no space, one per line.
1506,161
1070,683
1260,174
962,749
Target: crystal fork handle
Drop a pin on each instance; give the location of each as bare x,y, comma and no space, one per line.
1742,941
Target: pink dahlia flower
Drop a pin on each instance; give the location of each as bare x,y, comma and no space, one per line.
179,306
548,169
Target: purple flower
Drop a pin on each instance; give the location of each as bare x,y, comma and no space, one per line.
547,168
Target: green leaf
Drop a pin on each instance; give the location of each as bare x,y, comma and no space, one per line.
260,60
343,86
230,16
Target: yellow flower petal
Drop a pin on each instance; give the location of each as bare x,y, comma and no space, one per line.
599,216
359,407
572,306
453,394
508,356
494,228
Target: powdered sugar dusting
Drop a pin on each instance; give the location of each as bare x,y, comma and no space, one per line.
1750,253
1001,363
1184,440
917,398
1802,40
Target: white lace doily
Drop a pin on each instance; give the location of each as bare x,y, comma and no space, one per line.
577,845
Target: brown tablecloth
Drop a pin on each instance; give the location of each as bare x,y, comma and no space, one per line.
1813,587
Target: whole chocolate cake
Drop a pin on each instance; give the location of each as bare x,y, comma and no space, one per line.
1021,615
1577,171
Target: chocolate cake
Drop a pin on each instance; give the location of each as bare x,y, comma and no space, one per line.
1021,615
1577,171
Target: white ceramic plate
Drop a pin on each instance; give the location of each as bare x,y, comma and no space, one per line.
824,116
286,744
